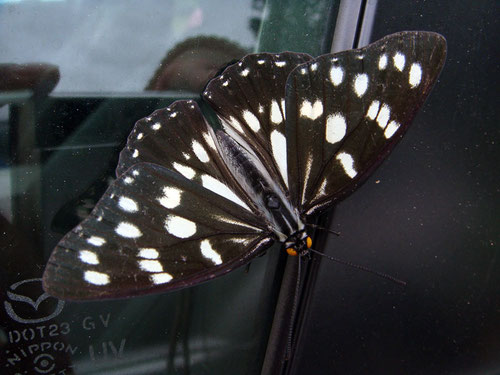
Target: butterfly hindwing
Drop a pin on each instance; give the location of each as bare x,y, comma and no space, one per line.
153,230
249,98
346,111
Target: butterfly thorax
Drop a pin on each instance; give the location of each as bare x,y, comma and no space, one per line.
267,197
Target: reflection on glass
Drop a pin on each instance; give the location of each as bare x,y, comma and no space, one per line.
191,64
74,77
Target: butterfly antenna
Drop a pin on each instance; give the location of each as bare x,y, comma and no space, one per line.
362,268
294,312
319,227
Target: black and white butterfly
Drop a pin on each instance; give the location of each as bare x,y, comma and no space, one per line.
192,202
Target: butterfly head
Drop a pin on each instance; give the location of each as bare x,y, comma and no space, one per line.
298,243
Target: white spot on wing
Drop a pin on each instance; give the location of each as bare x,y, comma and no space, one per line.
96,278
383,116
336,128
322,188
261,61
360,84
251,120
307,174
156,126
128,180
171,197
275,112
135,153
148,253
336,75
96,241
399,61
382,62
245,72
150,265
280,64
415,75
391,128
87,256
186,171
347,163
282,103
210,142
235,124
313,67
221,189
200,152
311,111
128,204
179,227
225,219
140,136
278,145
373,110
208,252
161,278
128,230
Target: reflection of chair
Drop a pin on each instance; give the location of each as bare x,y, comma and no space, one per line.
191,63
39,78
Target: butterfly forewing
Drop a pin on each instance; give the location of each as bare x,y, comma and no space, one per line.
179,138
153,230
249,98
166,137
346,111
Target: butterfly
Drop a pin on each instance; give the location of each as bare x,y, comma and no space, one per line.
293,136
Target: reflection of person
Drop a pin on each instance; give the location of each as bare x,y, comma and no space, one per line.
193,62
188,67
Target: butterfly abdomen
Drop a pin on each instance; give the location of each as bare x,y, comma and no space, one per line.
254,179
